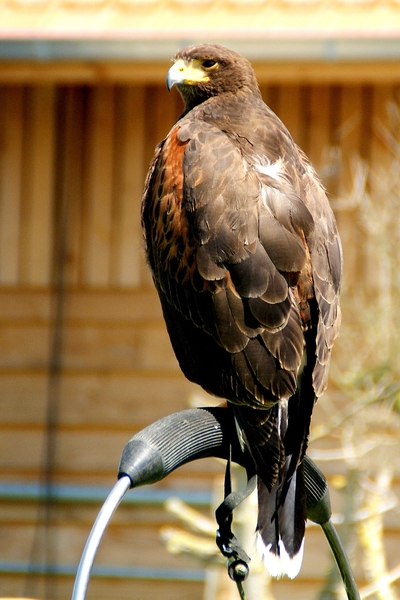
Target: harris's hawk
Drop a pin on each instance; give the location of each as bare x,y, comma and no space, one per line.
247,261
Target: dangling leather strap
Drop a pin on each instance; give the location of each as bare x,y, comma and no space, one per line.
226,541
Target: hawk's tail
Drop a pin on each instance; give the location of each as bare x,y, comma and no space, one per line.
281,525
277,451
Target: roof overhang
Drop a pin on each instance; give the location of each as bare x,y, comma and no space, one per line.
310,46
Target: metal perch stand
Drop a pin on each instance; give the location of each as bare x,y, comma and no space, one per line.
167,444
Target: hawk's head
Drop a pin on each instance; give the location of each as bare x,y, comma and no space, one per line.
206,70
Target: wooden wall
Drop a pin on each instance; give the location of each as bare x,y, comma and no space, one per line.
84,357
75,157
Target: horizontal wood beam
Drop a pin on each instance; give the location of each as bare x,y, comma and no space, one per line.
133,72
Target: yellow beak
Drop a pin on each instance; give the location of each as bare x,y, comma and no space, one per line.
182,73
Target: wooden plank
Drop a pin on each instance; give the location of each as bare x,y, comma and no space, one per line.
380,152
21,452
305,123
301,590
82,305
160,118
150,73
99,400
25,347
290,111
96,234
396,93
37,205
379,264
121,546
338,73
378,274
86,455
354,140
92,347
128,256
108,589
349,136
11,135
83,513
270,94
23,399
139,522
70,175
140,546
123,348
83,72
367,100
136,306
331,169
349,140
319,138
24,304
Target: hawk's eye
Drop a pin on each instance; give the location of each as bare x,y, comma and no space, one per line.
209,64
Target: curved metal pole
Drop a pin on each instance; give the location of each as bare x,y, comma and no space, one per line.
85,566
319,511
149,457
189,435
342,561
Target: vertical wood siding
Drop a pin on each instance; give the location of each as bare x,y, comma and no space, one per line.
72,165
76,158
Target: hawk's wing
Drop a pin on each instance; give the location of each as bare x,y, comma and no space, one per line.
240,247
327,264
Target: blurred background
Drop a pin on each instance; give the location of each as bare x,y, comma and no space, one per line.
85,361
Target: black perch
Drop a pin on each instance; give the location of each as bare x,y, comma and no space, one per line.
189,435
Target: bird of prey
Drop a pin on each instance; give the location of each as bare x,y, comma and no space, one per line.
246,257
